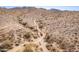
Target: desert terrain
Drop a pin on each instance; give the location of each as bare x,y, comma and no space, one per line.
30,29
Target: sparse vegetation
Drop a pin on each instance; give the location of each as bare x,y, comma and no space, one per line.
32,29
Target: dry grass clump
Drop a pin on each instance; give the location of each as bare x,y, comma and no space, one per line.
30,47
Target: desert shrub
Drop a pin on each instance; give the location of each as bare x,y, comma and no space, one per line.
24,23
5,47
27,35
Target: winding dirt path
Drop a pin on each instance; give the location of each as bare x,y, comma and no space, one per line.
39,41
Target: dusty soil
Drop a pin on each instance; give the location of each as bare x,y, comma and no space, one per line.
38,30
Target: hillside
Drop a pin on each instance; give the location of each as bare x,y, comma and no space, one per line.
31,29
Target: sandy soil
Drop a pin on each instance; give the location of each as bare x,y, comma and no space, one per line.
38,30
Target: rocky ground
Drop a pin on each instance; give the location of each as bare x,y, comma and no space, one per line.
30,29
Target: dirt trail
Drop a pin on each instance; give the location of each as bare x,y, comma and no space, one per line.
39,41
10,27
